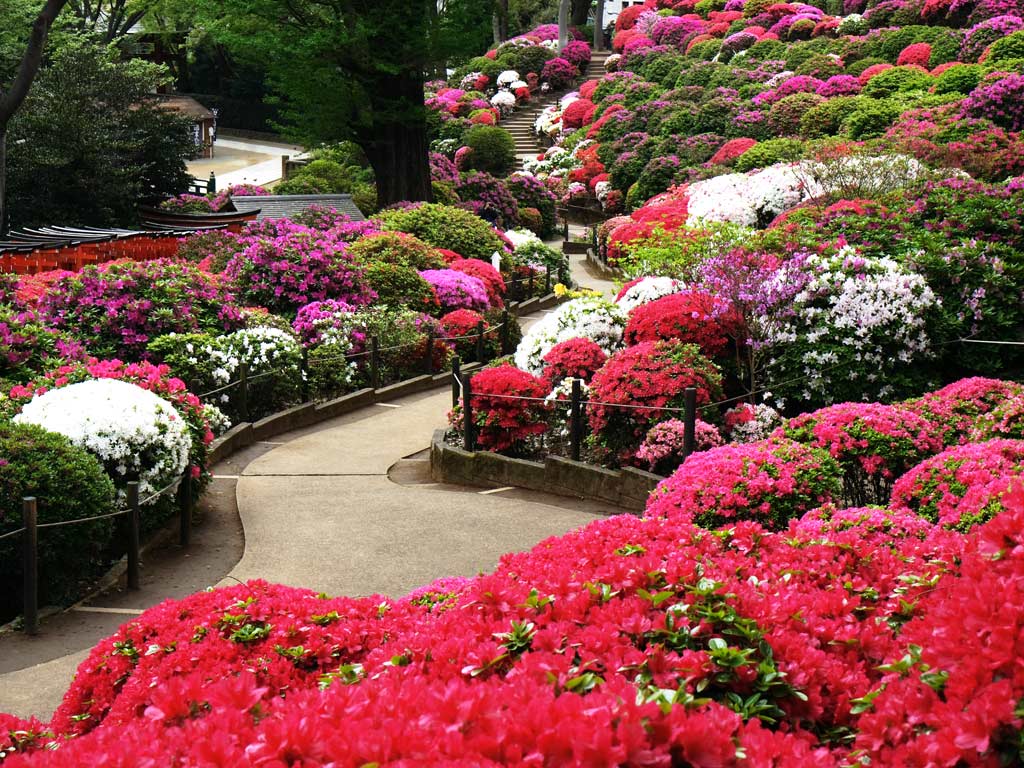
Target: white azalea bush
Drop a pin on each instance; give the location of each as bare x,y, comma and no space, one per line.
588,317
646,290
133,432
846,328
749,199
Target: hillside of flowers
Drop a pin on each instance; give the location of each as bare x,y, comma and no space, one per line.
128,370
838,640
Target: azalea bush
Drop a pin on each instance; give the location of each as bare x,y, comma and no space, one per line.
132,431
455,289
447,227
508,408
116,309
588,317
632,391
577,358
664,447
690,317
769,482
874,444
964,485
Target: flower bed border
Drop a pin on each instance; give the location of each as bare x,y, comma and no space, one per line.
626,488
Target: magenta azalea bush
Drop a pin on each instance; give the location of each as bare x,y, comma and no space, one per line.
295,265
457,290
769,482
963,486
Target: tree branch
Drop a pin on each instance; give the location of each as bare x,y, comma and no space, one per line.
30,61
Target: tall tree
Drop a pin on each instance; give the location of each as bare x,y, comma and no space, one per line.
355,69
109,20
13,95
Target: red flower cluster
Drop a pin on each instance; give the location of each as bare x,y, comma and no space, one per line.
916,53
488,275
577,358
503,419
629,394
731,150
578,114
691,317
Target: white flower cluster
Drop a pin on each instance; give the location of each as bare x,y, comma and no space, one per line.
504,102
521,237
129,429
865,317
647,290
589,317
765,420
469,81
506,78
557,161
260,349
549,121
750,200
611,64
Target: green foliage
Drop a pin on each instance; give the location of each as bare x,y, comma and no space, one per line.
303,184
765,50
827,119
91,140
768,153
68,483
705,50
494,150
399,285
1007,49
856,68
897,80
677,253
870,119
443,226
396,248
961,79
785,115
444,193
820,66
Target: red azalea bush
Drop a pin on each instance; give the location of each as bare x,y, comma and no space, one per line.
488,275
731,150
463,325
962,486
652,375
627,642
558,73
505,423
873,443
578,358
870,72
769,482
958,409
691,317
916,53
578,114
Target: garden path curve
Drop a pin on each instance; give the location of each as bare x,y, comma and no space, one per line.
318,510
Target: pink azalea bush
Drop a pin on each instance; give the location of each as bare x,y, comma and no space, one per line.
662,449
457,290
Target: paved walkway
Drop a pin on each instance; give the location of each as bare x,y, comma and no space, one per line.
318,510
243,161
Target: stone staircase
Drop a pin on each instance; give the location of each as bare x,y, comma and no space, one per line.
520,124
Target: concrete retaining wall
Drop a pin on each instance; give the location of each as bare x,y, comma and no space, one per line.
626,488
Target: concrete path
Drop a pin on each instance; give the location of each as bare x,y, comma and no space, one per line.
238,161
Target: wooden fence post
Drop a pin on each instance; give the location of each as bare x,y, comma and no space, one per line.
689,419
243,392
185,506
428,362
29,512
374,362
576,421
456,379
468,425
132,537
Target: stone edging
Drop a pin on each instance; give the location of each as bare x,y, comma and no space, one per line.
611,273
626,488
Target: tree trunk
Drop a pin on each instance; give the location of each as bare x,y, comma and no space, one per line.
581,11
3,180
396,145
599,26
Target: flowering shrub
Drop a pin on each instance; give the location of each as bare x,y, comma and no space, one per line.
317,316
770,482
558,73
874,444
646,379
462,327
505,424
576,358
1001,101
963,486
958,410
850,329
587,317
456,290
485,273
747,423
118,308
645,290
133,432
663,447
444,226
297,266
27,347
690,317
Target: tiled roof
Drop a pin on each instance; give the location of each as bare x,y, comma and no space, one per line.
284,206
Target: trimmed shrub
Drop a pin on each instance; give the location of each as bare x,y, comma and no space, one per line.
505,424
770,152
443,226
396,248
68,483
400,285
494,150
